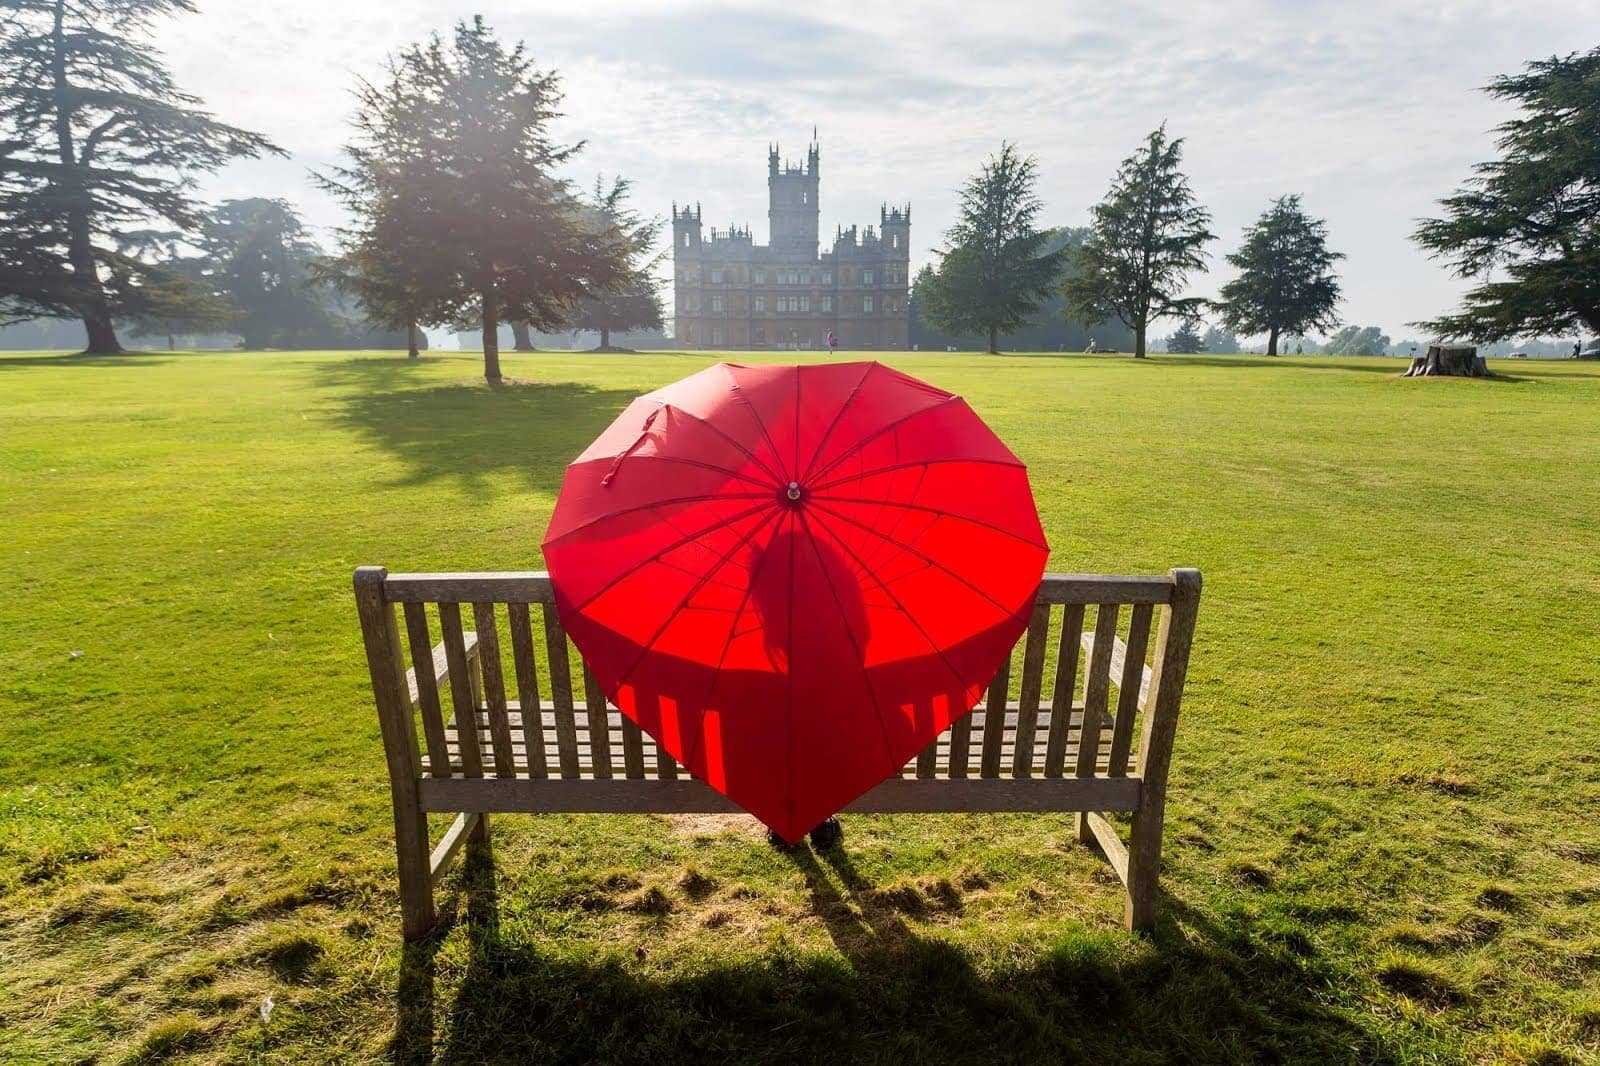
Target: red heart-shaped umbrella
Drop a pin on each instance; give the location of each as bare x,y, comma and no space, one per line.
794,578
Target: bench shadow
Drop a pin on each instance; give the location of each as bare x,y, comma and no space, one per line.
467,431
1198,991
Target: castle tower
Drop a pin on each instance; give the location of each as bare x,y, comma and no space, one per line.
686,231
894,226
792,203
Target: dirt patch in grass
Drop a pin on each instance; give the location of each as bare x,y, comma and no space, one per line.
713,825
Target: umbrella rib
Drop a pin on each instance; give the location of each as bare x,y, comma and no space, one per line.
936,564
788,747
931,510
915,462
738,394
705,580
838,417
705,466
674,546
899,606
861,654
703,498
881,430
776,480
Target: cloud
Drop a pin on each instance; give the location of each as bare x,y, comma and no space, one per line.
1372,112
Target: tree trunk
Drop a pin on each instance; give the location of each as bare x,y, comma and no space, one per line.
1138,342
1449,362
102,336
605,337
522,337
491,336
1272,341
411,339
994,340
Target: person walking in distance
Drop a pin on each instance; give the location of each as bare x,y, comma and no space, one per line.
833,343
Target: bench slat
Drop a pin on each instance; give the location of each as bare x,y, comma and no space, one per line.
687,796
1096,687
994,724
555,642
527,683
1065,686
1032,685
462,699
599,736
428,666
494,687
1130,688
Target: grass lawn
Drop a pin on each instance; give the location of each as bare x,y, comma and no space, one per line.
1381,842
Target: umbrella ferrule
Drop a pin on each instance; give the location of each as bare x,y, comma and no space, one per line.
794,492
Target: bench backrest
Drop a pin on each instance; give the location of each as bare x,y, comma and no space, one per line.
498,692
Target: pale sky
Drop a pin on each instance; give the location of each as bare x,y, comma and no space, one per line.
1370,110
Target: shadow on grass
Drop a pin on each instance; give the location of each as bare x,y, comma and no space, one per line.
79,359
1194,993
469,431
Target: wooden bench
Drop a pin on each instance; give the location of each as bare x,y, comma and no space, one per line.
502,728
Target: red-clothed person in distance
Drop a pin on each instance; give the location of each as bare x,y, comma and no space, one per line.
794,578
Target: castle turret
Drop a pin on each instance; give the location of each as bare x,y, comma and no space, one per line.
792,203
686,231
894,223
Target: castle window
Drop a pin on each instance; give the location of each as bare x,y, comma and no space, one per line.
716,334
827,277
866,277
805,197
759,277
760,302
894,241
686,240
805,303
866,303
761,335
716,303
827,303
717,277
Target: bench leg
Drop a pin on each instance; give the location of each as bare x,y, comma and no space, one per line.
417,915
1144,868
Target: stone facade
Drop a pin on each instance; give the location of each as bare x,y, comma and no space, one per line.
730,292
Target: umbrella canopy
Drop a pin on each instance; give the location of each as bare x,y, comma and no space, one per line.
794,578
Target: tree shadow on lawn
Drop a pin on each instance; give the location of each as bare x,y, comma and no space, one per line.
79,359
469,431
1194,993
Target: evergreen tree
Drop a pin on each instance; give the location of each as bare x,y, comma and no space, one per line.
1358,340
637,303
1531,216
1286,282
1146,237
96,140
258,253
382,261
1187,339
462,139
996,270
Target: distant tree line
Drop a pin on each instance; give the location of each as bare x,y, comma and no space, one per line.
998,272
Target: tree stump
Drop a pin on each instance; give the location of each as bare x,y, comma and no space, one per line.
1449,361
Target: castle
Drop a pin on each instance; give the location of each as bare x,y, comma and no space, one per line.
733,293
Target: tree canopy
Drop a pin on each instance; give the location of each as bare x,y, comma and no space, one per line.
636,303
1528,223
1286,282
1146,237
996,269
456,160
96,142
1186,339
